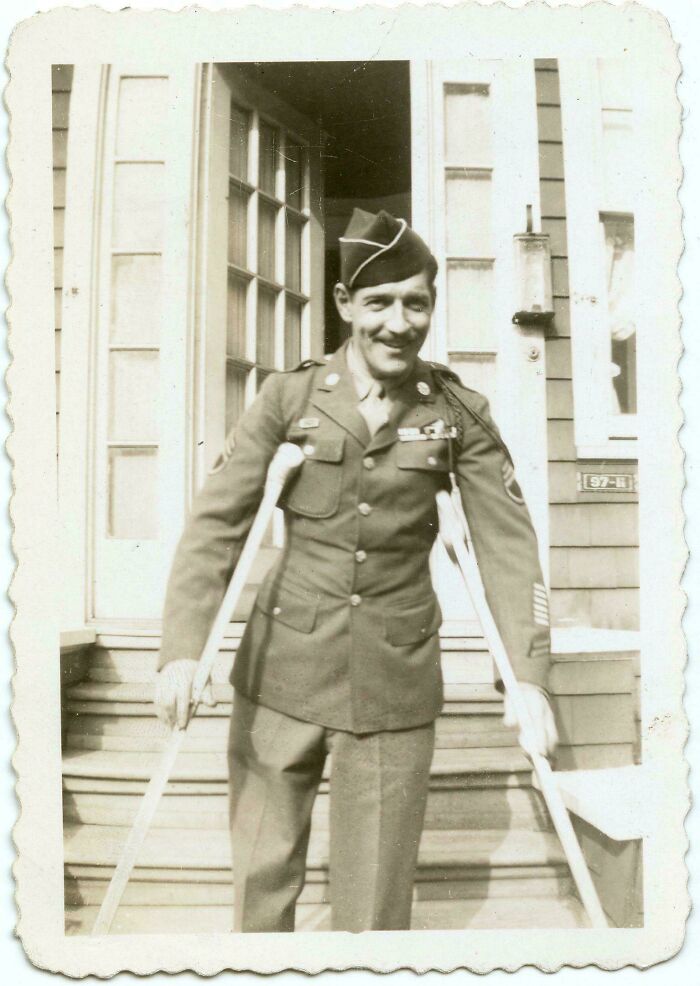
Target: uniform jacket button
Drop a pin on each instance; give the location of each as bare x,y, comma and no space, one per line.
364,509
369,463
355,600
432,461
276,611
360,555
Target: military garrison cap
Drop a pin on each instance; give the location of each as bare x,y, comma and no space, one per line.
381,250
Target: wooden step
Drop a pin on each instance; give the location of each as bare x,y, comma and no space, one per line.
459,666
457,808
447,763
210,734
496,914
176,848
141,692
87,885
72,706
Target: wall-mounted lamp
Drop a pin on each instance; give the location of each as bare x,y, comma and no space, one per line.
533,277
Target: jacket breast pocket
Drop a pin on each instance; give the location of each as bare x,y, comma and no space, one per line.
410,626
293,608
429,456
315,490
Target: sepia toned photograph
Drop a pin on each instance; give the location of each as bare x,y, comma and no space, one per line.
349,435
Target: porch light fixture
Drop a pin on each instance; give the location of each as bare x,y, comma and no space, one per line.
533,277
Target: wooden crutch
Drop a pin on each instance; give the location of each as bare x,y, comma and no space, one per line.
454,531
287,458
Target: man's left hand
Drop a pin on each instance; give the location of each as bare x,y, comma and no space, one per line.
544,730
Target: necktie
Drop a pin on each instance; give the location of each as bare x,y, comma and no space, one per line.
373,408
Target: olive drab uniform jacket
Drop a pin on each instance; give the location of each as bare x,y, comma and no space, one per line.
344,631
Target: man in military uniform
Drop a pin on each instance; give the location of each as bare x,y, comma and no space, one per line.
341,652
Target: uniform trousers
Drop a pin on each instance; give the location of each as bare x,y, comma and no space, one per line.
378,790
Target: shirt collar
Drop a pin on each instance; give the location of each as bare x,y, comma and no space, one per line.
362,379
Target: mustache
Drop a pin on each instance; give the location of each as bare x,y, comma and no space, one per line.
394,340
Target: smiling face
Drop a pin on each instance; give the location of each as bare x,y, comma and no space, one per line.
389,322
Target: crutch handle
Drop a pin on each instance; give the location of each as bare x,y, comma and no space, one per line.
286,459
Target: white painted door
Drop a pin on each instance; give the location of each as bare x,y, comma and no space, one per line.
141,333
475,172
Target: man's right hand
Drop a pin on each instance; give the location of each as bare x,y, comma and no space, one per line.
174,692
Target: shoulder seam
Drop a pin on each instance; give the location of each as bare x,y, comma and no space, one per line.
304,365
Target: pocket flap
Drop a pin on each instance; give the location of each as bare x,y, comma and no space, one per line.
411,625
317,448
431,455
294,608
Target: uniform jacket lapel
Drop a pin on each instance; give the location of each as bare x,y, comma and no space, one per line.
334,393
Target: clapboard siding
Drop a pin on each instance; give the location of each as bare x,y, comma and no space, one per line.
61,82
593,536
593,567
588,525
617,609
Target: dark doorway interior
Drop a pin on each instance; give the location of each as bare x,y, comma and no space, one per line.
364,109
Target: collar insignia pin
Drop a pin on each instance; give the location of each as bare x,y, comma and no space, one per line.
332,379
422,388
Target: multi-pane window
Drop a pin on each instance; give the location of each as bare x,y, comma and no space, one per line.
617,229
268,253
601,162
469,246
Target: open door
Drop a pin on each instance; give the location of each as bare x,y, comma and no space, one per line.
262,200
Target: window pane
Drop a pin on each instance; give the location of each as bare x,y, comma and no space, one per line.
292,332
139,192
142,126
294,175
470,306
236,316
238,142
619,260
293,253
467,125
235,393
133,494
133,397
469,214
266,240
237,226
136,300
268,158
265,338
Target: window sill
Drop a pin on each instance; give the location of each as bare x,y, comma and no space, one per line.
610,451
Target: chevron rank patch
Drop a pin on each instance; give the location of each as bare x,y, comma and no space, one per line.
510,483
224,456
540,605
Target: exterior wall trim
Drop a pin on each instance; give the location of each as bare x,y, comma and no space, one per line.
78,315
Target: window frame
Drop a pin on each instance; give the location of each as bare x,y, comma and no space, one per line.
598,433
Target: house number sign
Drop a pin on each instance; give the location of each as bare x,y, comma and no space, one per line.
606,482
